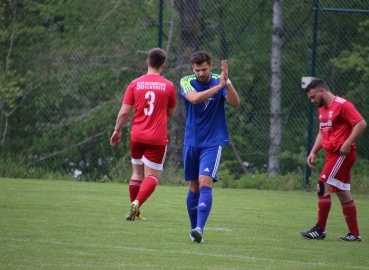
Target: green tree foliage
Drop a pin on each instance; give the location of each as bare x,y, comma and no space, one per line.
18,35
65,65
355,60
82,55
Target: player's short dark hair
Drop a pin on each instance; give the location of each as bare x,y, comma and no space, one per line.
200,57
157,57
316,84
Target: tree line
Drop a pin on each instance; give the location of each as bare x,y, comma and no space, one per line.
65,66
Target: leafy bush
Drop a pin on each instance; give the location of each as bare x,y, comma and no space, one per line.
120,171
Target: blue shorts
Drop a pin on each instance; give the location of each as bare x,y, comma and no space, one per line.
201,160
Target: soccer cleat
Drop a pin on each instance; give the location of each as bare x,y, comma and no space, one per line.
193,239
131,216
196,235
315,233
128,216
350,238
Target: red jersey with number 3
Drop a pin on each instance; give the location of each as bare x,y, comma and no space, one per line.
151,95
336,122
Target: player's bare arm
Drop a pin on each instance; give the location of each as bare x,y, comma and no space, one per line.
357,131
315,150
198,97
123,114
232,96
171,111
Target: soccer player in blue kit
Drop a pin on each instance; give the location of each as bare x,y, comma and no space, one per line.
204,94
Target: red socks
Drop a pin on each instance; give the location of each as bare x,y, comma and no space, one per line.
348,210
324,206
134,188
146,189
350,214
141,190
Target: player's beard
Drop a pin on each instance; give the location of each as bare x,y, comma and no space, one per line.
204,79
320,102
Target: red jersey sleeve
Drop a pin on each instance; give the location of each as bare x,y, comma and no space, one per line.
128,96
173,98
350,114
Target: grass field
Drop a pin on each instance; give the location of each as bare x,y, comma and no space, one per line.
79,225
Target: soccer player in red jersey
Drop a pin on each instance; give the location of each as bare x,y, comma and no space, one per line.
154,99
340,125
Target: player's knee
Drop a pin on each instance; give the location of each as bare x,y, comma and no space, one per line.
320,188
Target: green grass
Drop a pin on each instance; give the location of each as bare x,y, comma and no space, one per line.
77,225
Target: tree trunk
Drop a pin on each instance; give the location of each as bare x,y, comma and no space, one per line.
188,43
275,88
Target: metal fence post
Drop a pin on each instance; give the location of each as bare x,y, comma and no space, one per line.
160,24
311,107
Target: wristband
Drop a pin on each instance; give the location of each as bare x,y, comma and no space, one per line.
228,81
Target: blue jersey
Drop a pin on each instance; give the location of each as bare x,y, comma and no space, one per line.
206,123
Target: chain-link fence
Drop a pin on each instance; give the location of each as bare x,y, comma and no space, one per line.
66,66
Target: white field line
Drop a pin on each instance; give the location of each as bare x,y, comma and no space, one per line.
217,229
242,257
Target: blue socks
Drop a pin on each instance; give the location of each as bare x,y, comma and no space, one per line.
192,202
204,207
199,206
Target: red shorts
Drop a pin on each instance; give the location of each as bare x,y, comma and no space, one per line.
336,171
151,155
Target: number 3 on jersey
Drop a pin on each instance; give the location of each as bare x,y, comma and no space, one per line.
150,96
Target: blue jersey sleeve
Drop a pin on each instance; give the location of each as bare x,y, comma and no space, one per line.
186,85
